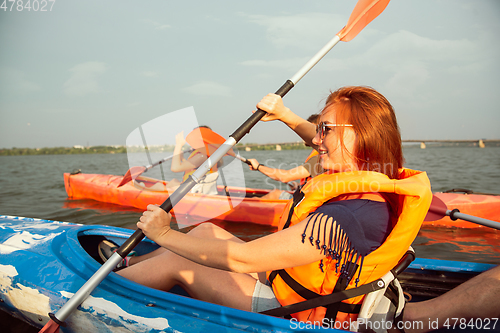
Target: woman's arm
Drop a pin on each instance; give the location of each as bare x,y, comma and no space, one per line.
273,105
280,175
179,164
275,251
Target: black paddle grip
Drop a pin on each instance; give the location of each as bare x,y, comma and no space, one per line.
285,88
167,206
254,119
179,193
404,262
452,214
130,243
57,321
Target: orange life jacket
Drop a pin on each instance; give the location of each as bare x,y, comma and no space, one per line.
306,179
409,198
193,153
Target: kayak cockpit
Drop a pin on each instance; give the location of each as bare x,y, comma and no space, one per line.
90,243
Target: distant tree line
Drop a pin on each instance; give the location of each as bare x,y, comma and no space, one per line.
123,149
63,150
271,146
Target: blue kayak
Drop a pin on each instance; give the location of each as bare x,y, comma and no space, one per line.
43,263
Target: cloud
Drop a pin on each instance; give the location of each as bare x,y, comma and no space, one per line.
288,64
83,80
407,80
132,104
400,52
149,74
156,25
405,46
208,88
300,30
15,80
412,61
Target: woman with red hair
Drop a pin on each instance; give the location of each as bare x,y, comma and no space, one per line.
345,228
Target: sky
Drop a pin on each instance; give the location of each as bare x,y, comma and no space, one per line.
91,72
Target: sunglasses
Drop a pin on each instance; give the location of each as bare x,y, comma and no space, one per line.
322,128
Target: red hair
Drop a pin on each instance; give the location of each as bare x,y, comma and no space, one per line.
378,139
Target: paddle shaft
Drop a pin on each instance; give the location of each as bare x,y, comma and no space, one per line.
455,214
192,180
244,160
147,167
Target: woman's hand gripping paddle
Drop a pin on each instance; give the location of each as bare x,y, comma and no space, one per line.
364,12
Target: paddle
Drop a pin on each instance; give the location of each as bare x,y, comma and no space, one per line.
136,171
199,137
244,160
364,12
212,141
438,210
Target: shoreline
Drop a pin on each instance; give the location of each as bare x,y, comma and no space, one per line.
242,147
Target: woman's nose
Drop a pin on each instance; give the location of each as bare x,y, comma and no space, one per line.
317,140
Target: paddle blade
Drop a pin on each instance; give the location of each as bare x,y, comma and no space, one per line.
132,173
50,327
437,210
364,12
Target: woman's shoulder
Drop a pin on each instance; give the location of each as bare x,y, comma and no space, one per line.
360,209
363,222
358,205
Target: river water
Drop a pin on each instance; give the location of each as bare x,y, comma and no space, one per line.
32,186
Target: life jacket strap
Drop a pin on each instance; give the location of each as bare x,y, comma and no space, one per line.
298,196
324,300
314,300
333,309
392,294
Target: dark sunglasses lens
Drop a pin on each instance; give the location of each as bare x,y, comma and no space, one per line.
321,130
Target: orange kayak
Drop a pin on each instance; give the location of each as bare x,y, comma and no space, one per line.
245,205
